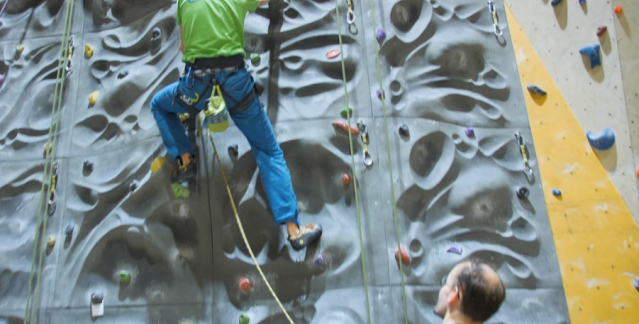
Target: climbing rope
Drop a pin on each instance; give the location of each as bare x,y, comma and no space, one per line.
239,224
50,150
390,166
350,141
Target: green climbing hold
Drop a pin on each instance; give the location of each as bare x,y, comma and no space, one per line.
244,319
125,277
343,112
181,191
255,57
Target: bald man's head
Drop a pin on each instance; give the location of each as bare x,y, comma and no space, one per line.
476,290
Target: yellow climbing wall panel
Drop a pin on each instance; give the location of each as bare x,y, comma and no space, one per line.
596,238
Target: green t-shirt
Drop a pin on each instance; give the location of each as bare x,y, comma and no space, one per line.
213,28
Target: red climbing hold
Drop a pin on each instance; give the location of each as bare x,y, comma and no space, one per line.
618,9
332,53
601,30
346,179
245,284
405,257
344,126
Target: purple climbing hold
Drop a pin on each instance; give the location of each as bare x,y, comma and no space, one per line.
379,95
319,261
455,248
581,2
1,80
381,35
469,132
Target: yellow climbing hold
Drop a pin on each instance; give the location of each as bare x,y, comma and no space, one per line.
93,97
51,241
88,51
19,48
157,163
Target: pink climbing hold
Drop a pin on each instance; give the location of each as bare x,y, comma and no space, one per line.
404,255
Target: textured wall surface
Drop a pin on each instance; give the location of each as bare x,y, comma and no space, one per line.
443,70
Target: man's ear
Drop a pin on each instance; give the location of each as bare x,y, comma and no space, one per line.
453,298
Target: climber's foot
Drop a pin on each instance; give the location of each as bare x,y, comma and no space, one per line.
186,170
306,235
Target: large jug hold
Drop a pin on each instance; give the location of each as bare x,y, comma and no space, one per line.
216,116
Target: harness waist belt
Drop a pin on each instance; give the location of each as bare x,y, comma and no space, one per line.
221,62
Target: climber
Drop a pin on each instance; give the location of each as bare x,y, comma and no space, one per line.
212,44
471,293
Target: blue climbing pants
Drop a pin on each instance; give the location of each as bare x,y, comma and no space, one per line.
253,123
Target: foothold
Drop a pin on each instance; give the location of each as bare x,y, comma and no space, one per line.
1,80
123,74
556,192
255,57
88,51
618,9
636,283
157,164
88,166
582,2
379,94
19,49
51,241
554,3
245,284
601,30
344,126
234,150
469,132
343,113
346,179
536,90
156,39
97,298
603,140
404,131
319,261
181,191
125,277
244,319
404,255
332,53
381,35
134,185
97,305
455,248
69,230
523,192
93,97
592,51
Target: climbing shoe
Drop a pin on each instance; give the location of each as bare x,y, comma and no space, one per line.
185,171
307,235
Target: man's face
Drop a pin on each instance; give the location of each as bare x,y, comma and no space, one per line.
448,290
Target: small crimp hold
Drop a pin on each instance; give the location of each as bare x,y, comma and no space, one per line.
68,231
319,261
536,90
523,193
601,30
123,74
381,35
455,248
555,3
346,179
469,132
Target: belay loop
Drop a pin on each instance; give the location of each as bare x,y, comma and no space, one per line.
216,116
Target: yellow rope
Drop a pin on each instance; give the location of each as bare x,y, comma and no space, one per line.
239,223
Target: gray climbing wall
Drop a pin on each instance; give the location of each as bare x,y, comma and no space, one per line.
443,70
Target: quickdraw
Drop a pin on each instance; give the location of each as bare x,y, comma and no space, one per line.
54,184
69,65
368,161
524,153
493,12
350,17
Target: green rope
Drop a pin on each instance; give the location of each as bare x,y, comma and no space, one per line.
390,163
350,138
48,169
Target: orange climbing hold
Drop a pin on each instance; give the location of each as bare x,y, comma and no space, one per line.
344,126
405,257
618,9
346,179
245,284
638,172
332,53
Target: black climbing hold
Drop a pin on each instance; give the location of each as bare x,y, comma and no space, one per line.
97,298
88,165
134,185
536,90
156,39
123,74
404,131
554,3
592,51
523,193
233,150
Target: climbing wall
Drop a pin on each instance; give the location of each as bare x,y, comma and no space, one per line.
446,77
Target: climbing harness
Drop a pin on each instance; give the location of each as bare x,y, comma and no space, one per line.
350,17
50,169
493,12
239,224
390,161
524,153
350,142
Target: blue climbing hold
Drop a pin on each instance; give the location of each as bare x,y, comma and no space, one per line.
592,51
603,140
556,192
69,230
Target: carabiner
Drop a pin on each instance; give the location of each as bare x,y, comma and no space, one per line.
524,153
493,12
